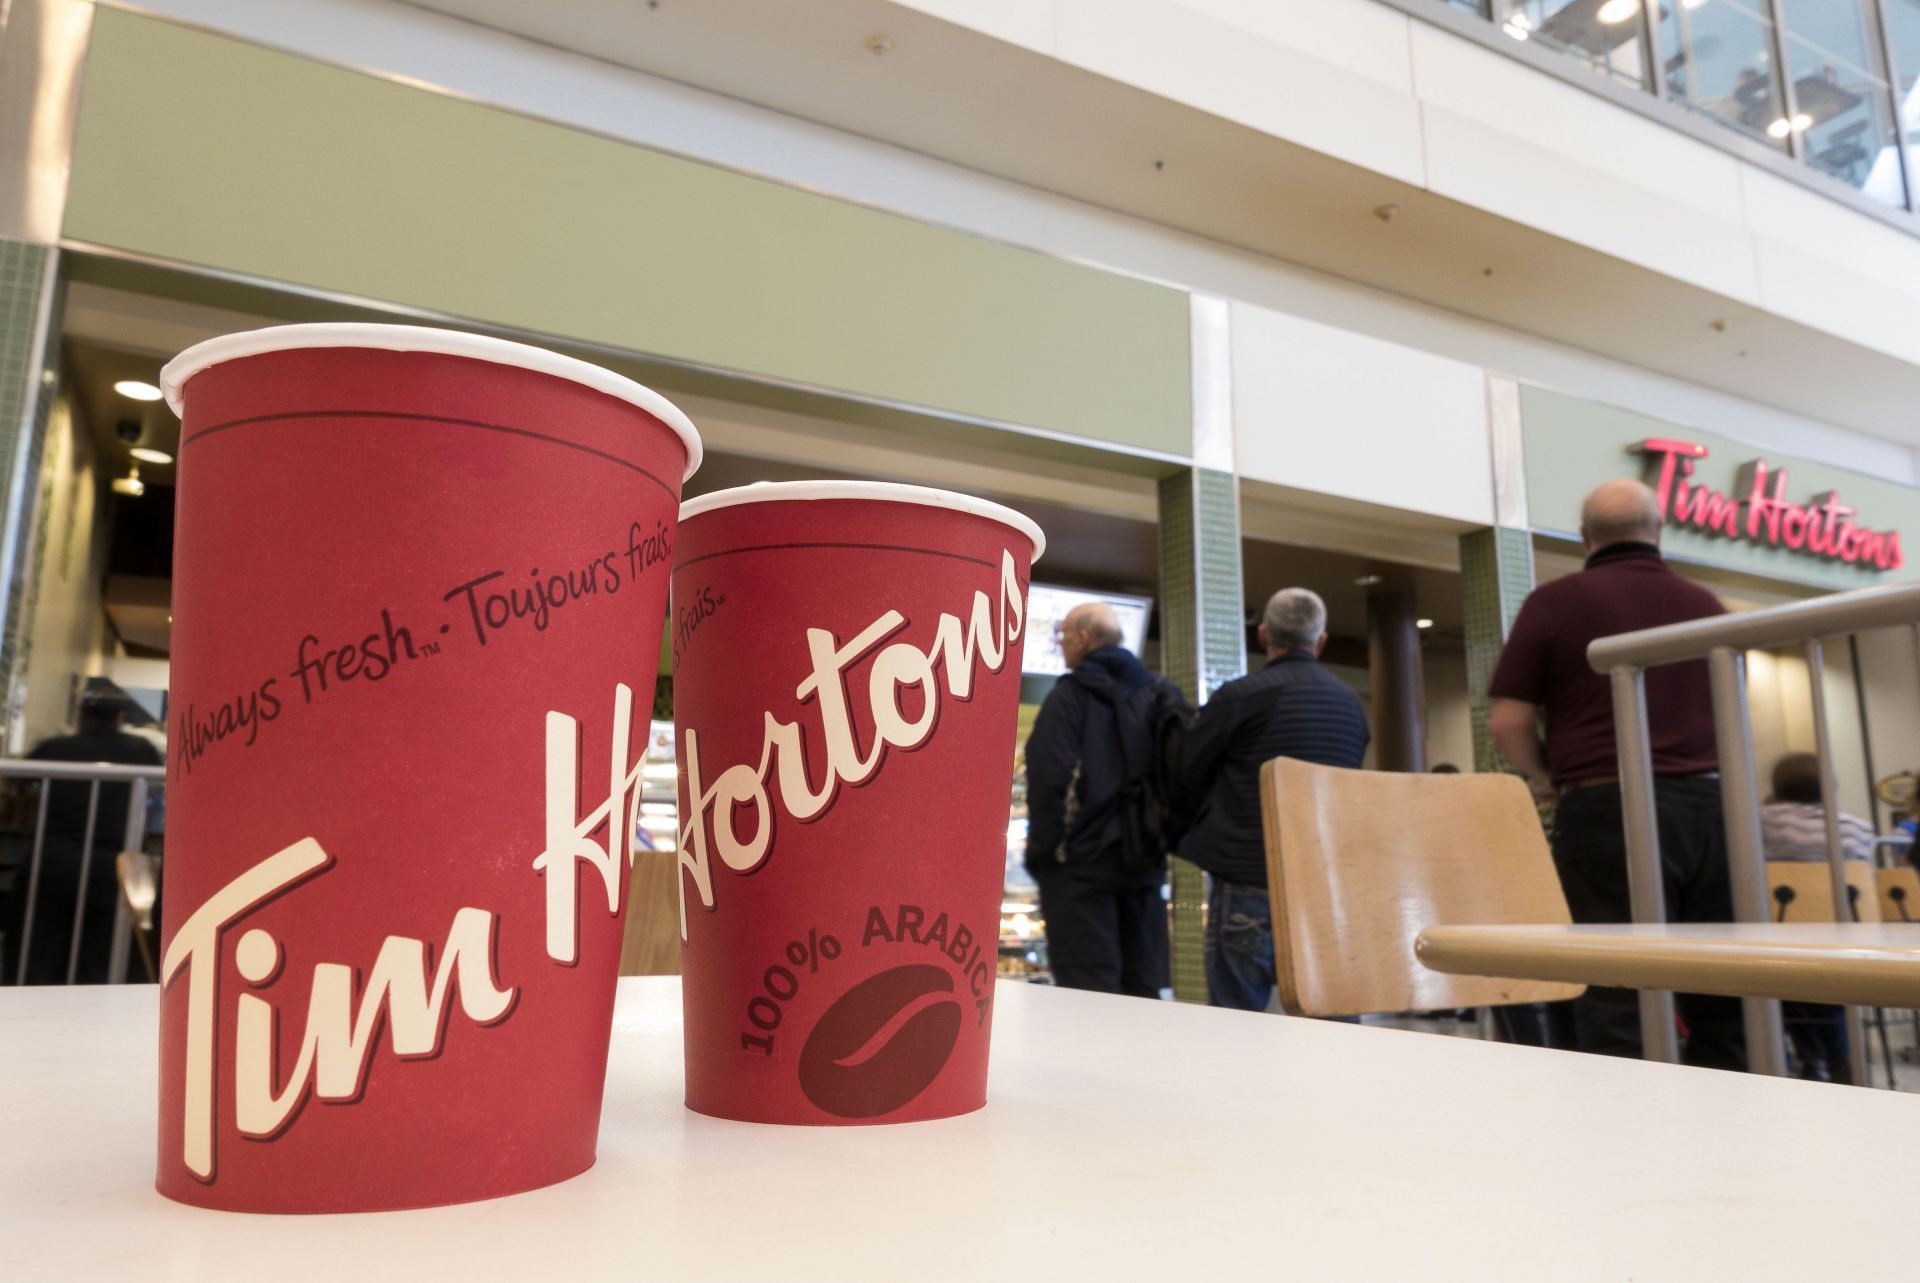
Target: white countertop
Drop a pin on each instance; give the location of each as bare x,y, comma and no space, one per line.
1124,1140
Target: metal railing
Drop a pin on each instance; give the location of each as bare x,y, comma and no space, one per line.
1722,641
139,780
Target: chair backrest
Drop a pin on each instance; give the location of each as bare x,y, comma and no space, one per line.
1899,895
139,875
1812,887
1360,862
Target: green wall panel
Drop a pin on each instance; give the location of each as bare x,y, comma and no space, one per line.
1572,445
209,151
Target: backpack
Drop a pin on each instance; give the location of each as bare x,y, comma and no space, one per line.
1153,807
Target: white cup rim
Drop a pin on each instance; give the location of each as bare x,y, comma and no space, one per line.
880,491
422,338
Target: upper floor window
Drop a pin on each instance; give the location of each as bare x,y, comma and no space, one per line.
1812,79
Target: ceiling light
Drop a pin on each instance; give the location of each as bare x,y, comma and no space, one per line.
130,485
1423,623
1779,128
1691,4
135,390
1519,26
1614,12
145,455
1367,581
1802,122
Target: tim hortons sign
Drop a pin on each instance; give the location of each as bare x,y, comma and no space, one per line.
1758,511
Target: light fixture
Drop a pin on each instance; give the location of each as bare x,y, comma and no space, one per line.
1614,12
1779,128
1519,26
135,390
1691,4
130,485
1367,581
145,455
1802,122
1423,623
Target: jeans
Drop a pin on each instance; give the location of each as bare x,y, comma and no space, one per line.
1239,947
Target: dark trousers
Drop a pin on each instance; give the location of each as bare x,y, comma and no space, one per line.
1105,931
1590,850
55,901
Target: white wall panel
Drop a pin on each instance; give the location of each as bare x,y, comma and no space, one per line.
1827,267
1027,23
1340,413
1360,36
1189,57
1504,138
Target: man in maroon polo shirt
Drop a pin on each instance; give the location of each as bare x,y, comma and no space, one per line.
1626,585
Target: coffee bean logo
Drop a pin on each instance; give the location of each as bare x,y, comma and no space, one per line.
882,1043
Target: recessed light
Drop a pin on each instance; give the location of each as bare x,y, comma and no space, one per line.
135,390
145,455
1423,623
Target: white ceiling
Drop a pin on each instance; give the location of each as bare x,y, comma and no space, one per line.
952,93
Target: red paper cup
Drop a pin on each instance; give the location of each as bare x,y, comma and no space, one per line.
846,684
419,580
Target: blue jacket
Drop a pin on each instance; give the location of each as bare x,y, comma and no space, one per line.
1077,761
1291,708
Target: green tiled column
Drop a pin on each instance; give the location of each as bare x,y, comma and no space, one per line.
1496,574
28,342
1202,644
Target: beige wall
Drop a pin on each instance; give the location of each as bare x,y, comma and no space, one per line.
69,636
1780,703
1449,719
1890,681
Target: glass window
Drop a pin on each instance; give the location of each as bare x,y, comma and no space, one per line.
1604,34
1478,8
1717,56
1903,29
1840,108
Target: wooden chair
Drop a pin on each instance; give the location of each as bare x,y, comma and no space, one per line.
1899,895
1360,862
139,877
1802,891
651,944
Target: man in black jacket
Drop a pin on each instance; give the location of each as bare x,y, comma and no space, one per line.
1106,925
1291,708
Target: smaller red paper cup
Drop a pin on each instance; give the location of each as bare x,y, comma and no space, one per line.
418,581
846,686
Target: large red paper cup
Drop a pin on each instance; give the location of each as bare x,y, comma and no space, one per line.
846,685
419,580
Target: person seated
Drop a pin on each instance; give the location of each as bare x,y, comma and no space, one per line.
1793,826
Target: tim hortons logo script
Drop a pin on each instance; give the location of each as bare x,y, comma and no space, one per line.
807,790
409,984
1760,512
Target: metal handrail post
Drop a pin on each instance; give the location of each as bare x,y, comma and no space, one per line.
1646,885
1836,857
1740,805
134,839
33,884
86,874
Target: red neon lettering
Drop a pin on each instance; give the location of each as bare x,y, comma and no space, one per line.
1819,528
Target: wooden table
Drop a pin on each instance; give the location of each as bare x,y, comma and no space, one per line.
1866,964
1125,1139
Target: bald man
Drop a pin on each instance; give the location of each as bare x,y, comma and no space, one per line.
1106,923
1543,671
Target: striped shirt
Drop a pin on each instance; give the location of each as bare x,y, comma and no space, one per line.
1795,831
